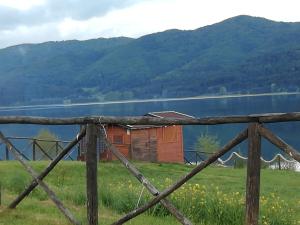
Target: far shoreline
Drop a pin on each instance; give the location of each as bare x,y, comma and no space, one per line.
200,97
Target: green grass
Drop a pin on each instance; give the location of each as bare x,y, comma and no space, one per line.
215,196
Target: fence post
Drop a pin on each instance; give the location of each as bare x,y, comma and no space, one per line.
253,175
33,151
279,162
91,175
78,151
56,148
6,153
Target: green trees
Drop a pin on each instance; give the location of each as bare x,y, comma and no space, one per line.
45,144
207,143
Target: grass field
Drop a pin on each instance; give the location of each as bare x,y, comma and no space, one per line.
215,196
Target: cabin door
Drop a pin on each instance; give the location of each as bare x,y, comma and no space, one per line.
144,145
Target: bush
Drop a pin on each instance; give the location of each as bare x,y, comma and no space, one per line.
207,143
49,146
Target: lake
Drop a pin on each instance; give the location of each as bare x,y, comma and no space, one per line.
202,107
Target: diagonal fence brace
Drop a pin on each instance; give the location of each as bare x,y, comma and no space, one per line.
237,140
61,148
21,153
48,169
50,193
278,142
153,190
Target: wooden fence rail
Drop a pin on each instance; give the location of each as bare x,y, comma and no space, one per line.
253,133
146,120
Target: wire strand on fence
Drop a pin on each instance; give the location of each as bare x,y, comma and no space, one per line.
235,154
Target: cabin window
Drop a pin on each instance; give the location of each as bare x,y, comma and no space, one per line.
170,134
118,139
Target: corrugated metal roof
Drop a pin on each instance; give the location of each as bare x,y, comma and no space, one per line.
170,114
162,114
135,127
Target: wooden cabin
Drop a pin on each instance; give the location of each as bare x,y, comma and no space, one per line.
145,142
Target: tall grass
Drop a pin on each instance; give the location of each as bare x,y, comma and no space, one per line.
214,197
204,204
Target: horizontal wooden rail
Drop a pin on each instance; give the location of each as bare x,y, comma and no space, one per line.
36,139
146,120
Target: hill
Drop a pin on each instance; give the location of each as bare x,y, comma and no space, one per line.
239,55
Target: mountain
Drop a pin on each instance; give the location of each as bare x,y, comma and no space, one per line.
239,55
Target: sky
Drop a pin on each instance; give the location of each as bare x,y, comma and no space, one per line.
35,21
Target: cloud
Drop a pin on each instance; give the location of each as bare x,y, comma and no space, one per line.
21,4
33,21
24,34
55,10
158,15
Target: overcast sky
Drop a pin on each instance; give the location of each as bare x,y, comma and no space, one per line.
33,21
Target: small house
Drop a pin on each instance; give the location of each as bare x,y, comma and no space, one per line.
146,142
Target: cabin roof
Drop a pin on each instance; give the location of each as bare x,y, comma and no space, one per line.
162,114
136,127
169,114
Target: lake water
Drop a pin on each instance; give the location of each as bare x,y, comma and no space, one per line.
289,131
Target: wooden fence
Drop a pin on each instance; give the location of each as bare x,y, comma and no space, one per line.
40,149
253,133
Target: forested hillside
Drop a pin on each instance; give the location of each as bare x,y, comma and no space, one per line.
239,55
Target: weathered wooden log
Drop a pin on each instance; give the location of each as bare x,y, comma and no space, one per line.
277,141
7,154
277,117
146,120
237,140
36,139
253,175
91,174
50,193
48,169
61,148
144,181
